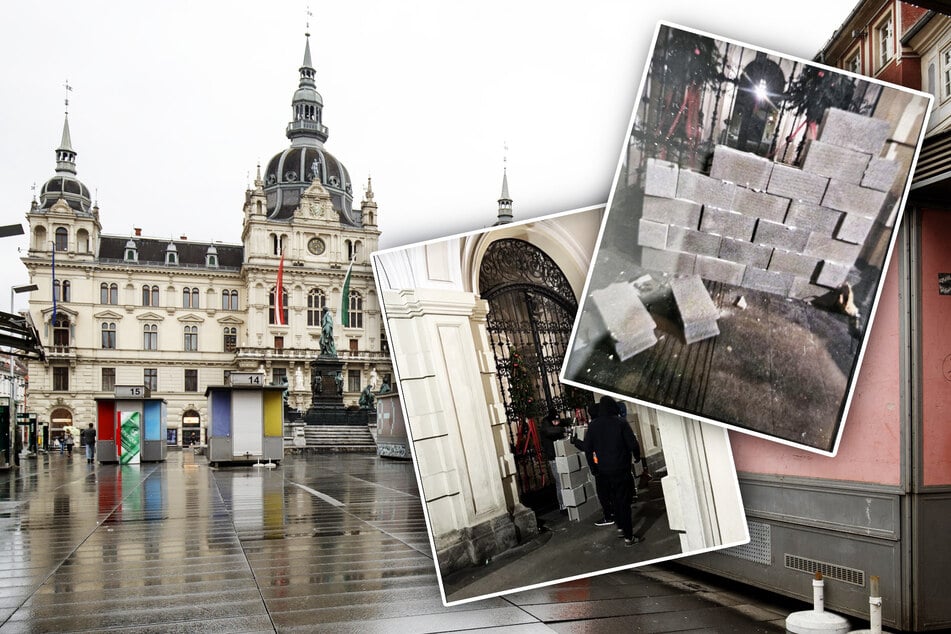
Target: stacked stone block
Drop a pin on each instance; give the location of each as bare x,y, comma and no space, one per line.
792,231
575,481
625,317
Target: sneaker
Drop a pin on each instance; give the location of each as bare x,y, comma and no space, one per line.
630,541
604,522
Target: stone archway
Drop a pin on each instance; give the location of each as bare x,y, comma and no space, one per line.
191,428
531,312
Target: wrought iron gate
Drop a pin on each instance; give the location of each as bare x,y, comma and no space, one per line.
531,312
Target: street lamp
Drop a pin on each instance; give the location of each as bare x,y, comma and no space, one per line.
14,291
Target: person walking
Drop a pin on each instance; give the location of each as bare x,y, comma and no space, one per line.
88,437
610,447
70,441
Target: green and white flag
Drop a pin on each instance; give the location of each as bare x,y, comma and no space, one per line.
345,298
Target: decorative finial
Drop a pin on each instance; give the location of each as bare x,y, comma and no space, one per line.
307,21
505,155
69,89
33,187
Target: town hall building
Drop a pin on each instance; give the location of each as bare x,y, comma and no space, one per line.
177,315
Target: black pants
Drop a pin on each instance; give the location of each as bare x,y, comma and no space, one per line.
603,487
620,486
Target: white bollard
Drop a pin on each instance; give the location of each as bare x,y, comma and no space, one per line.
816,620
874,609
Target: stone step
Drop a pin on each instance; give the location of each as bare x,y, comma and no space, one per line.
336,438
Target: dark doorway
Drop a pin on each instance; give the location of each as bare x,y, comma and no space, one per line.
531,312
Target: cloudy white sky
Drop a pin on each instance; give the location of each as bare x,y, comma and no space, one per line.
175,102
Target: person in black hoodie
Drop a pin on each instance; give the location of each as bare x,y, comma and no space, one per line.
609,447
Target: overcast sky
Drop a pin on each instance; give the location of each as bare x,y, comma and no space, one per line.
174,102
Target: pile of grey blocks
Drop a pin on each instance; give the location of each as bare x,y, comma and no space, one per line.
753,223
575,480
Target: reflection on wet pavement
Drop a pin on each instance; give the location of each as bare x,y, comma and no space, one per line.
325,543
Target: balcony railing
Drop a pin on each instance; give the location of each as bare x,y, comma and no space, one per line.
303,354
60,352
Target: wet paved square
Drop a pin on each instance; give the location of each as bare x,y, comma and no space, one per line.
330,543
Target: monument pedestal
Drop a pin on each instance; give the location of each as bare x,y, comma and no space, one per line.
326,406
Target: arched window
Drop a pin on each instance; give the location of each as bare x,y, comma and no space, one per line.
229,299
39,238
316,300
61,331
56,291
62,239
270,302
275,247
189,298
191,338
356,310
231,338
109,335
153,296
150,337
108,293
67,291
146,295
349,245
82,241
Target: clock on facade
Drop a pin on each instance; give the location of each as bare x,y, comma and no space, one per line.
316,246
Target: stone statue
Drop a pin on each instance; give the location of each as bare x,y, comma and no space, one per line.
366,398
374,380
339,380
298,379
385,388
327,345
316,382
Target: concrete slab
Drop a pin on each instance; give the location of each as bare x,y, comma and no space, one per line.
779,236
796,184
705,190
853,199
652,234
745,253
698,313
690,241
668,261
626,319
719,270
881,174
854,131
673,211
774,282
742,168
728,224
760,204
660,178
854,228
812,217
793,263
835,162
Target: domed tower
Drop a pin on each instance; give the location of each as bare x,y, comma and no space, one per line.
291,172
64,183
65,217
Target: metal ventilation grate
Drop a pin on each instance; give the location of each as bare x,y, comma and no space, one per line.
760,548
829,571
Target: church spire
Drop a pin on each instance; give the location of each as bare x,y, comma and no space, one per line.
306,127
65,155
505,201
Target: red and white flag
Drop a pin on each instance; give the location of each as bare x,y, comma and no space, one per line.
279,294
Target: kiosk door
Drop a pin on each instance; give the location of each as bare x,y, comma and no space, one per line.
247,427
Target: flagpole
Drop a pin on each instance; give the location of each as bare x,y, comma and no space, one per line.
345,295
